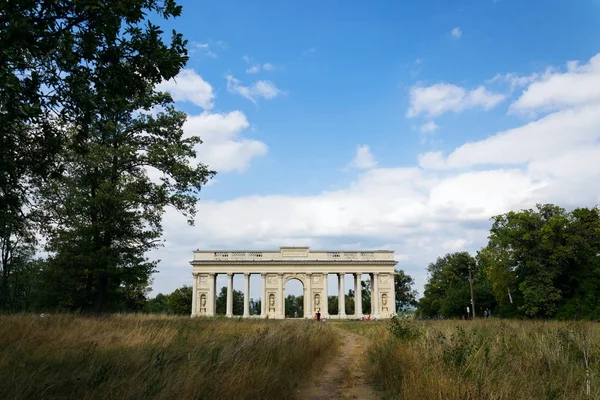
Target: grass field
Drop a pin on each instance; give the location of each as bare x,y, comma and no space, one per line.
484,359
149,357
153,357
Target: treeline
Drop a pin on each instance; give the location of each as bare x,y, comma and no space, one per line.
538,263
82,125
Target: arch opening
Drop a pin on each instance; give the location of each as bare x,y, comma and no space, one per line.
294,304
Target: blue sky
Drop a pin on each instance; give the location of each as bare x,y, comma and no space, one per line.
396,125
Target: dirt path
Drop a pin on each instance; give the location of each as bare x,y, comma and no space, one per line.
343,376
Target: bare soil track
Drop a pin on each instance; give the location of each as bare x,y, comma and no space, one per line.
343,377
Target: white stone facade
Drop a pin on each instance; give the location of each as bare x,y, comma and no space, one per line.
312,268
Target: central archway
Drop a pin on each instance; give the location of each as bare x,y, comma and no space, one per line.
294,298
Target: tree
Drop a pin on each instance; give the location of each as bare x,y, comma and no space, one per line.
349,302
238,302
180,301
366,296
447,291
104,213
332,305
294,304
30,33
158,305
405,294
255,306
543,262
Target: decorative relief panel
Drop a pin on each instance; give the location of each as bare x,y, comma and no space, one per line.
203,280
317,278
271,279
384,278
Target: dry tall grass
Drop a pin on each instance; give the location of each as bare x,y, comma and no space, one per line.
485,359
149,357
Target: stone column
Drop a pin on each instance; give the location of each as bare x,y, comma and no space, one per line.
246,295
281,305
325,298
194,294
229,312
342,296
358,295
211,301
263,296
308,312
375,294
214,295
393,294
372,313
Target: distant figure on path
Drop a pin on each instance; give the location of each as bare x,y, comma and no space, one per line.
295,314
318,316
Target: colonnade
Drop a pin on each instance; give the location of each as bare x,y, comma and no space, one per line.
315,285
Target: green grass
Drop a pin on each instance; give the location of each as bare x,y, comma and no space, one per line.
149,357
484,359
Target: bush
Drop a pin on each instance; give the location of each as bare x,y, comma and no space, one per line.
404,328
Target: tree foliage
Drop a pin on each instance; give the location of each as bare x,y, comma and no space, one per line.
82,128
538,263
180,301
406,296
238,302
447,292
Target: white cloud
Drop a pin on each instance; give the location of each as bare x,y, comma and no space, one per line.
440,98
456,33
204,49
579,85
515,81
188,85
546,137
455,245
260,89
432,160
223,149
363,159
429,127
256,68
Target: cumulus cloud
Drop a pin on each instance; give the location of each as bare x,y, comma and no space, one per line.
440,98
189,86
429,127
549,136
456,33
363,159
578,86
260,89
223,149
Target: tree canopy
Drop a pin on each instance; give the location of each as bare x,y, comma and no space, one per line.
538,263
92,154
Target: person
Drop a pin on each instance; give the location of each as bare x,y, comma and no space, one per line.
295,314
318,316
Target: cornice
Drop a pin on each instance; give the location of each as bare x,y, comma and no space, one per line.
293,262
